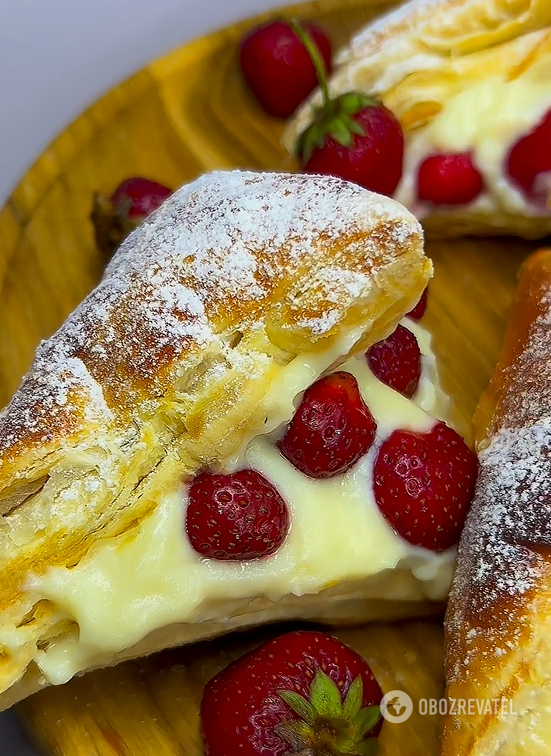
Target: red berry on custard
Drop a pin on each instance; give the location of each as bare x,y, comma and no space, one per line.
424,484
419,309
529,162
235,517
331,429
449,179
367,148
396,361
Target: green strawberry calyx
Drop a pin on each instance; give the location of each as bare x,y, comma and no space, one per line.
335,116
327,725
111,224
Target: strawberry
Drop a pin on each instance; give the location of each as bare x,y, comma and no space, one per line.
116,216
396,361
529,162
424,483
331,429
352,136
419,309
449,179
277,66
235,517
302,693
359,140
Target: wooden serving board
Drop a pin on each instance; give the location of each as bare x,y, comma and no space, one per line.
182,115
150,707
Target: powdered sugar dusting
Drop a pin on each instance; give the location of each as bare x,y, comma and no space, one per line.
414,13
210,258
227,227
503,549
507,536
511,514
335,286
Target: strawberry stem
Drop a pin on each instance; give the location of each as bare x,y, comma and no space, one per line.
315,57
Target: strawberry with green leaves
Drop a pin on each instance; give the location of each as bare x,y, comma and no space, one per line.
302,694
353,136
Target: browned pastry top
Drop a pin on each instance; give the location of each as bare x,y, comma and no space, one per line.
178,358
229,251
500,595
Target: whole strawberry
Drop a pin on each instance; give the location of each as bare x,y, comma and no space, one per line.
116,216
331,429
358,139
235,517
352,136
277,66
529,162
302,693
449,179
424,484
396,361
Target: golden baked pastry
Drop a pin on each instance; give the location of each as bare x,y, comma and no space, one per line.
497,622
211,320
464,77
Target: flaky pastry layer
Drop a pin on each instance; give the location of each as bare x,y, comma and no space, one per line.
498,620
461,76
166,368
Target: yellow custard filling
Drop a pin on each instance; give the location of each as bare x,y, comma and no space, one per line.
487,119
126,588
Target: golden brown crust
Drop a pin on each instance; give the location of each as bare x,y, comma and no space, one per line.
520,391
165,368
497,626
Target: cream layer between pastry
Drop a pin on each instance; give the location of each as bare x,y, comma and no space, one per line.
127,587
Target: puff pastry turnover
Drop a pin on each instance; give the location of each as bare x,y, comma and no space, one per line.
498,621
210,322
463,77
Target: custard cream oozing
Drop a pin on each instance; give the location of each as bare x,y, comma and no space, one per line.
124,589
486,119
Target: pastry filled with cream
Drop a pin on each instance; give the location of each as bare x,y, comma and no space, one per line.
468,81
209,441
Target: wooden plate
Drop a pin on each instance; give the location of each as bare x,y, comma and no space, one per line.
182,115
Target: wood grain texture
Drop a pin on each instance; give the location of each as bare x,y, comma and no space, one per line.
182,115
150,707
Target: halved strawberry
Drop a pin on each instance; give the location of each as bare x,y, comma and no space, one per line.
304,693
396,361
331,430
424,484
235,517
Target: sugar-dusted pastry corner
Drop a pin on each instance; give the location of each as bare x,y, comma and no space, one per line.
216,437
468,82
497,623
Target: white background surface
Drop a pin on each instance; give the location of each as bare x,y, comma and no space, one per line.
56,58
